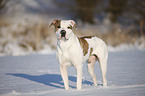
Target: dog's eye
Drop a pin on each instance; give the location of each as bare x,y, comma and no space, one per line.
58,26
69,27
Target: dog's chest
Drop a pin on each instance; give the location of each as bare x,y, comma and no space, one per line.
78,48
68,49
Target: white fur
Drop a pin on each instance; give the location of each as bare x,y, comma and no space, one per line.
69,52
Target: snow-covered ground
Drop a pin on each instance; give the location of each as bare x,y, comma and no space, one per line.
38,75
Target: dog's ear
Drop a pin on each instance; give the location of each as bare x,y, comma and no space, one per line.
73,23
55,23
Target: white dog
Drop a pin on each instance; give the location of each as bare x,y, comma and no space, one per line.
72,50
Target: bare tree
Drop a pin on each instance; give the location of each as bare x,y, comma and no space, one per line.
2,4
138,7
81,9
86,10
116,8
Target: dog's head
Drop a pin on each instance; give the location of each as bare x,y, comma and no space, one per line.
63,28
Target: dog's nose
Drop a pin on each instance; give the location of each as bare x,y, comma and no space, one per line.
63,32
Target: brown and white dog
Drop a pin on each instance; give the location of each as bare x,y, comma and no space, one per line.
72,50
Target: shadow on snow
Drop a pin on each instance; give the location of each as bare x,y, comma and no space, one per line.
49,79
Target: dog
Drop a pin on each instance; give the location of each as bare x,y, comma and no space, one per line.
73,51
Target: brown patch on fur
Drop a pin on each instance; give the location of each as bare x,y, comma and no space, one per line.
88,37
91,50
84,44
75,26
56,23
73,23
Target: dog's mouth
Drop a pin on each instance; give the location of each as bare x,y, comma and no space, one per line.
63,37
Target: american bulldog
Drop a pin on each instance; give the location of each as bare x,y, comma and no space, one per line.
73,51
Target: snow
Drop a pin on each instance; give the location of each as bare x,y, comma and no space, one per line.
139,45
39,75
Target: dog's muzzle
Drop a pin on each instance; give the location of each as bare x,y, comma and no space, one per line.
63,33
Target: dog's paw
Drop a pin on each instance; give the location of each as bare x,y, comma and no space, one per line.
105,86
79,88
67,88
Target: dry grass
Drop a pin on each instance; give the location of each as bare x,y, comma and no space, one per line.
28,35
31,36
114,37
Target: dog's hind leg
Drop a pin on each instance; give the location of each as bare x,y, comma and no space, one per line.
91,62
103,66
64,75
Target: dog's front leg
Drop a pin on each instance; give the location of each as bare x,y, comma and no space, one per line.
64,75
79,77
